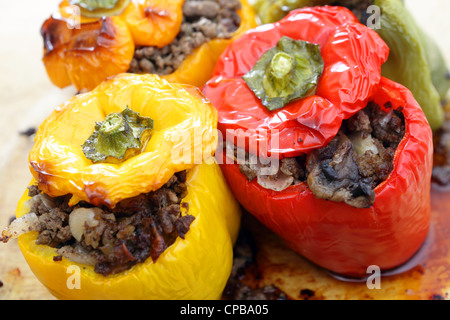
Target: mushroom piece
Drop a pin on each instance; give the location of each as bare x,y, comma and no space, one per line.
337,178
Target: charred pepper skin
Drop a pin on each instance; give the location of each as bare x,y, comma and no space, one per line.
196,267
85,56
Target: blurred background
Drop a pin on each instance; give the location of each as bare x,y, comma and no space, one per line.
27,97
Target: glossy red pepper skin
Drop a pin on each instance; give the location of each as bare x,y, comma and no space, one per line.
352,55
344,239
336,236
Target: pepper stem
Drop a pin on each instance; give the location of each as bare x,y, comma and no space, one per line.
118,137
287,72
113,123
281,65
100,8
94,4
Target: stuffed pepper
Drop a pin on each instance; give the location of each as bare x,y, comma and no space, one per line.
414,61
331,156
125,190
87,41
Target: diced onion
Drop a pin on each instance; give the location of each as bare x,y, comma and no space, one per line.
24,224
79,218
77,255
362,144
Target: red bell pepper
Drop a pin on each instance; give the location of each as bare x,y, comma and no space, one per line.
334,235
352,55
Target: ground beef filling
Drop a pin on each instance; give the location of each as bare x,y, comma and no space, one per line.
203,20
349,168
113,240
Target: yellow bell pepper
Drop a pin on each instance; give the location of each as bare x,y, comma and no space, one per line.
196,267
180,114
198,67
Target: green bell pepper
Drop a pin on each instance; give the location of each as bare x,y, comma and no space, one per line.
414,60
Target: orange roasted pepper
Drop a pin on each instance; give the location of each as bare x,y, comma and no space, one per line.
159,18
85,51
87,55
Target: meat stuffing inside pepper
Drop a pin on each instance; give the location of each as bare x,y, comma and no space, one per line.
349,168
202,22
113,240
